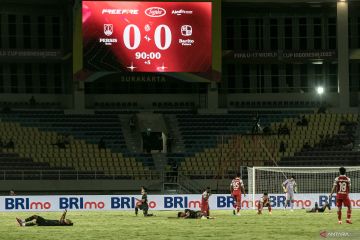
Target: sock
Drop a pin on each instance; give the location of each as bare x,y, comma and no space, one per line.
292,204
349,214
269,208
339,215
136,211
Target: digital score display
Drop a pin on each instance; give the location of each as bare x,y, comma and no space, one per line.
147,36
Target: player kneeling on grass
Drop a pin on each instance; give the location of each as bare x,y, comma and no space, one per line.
188,213
317,209
264,202
36,220
342,188
142,203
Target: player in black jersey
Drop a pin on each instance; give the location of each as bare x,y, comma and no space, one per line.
36,220
188,213
142,203
317,209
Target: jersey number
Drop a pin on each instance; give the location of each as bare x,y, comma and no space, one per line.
236,185
342,186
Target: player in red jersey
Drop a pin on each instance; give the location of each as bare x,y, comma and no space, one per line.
264,202
342,187
205,202
236,188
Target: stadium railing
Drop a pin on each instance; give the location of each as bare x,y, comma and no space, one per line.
72,175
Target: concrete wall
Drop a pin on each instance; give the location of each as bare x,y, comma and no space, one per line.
72,186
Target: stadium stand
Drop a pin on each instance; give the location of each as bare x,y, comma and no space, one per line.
331,149
40,136
216,149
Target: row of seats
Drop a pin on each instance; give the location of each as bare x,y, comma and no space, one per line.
244,149
88,127
274,104
78,155
202,130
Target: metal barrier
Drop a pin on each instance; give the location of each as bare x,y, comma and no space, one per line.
71,175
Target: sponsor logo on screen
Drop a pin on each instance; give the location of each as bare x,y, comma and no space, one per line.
155,12
181,12
186,30
108,29
147,27
120,11
108,41
186,42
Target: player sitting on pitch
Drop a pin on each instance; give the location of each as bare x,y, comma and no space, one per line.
142,203
264,202
317,209
188,213
40,221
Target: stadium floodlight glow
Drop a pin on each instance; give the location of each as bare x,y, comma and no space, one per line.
320,90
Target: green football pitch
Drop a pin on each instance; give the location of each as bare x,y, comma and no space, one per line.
124,225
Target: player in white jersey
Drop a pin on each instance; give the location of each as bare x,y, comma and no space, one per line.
289,187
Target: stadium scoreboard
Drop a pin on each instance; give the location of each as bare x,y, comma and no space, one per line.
130,36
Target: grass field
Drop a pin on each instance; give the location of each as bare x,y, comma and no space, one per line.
124,225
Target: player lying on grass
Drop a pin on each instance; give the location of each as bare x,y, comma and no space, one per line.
317,209
289,187
264,202
236,188
36,220
142,203
188,213
342,188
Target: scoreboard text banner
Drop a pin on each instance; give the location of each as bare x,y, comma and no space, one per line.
130,36
156,202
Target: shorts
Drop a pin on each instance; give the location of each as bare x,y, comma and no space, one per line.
290,196
204,207
237,197
40,221
343,201
267,204
143,206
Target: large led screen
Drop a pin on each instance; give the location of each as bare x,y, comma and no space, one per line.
147,36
